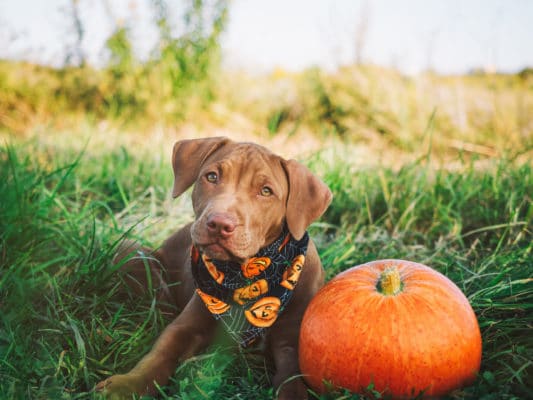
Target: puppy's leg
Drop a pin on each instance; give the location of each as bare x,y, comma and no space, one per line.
284,334
283,345
187,335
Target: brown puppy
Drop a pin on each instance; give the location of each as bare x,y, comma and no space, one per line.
252,208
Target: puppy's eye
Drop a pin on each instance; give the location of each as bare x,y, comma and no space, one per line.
211,177
266,191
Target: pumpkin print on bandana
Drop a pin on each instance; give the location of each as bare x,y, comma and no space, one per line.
214,305
249,298
263,313
242,295
254,266
212,269
292,273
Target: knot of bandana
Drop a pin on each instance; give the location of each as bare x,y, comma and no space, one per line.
248,298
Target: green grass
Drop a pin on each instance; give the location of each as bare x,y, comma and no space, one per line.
66,321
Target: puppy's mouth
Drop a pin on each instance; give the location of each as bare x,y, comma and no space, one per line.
218,251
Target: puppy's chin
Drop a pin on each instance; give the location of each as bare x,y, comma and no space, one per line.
216,251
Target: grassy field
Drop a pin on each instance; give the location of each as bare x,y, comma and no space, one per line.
67,322
433,169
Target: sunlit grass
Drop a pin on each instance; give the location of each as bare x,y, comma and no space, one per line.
477,115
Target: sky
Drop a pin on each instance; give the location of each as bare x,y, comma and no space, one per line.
447,36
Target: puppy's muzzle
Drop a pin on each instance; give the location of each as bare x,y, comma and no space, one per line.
220,225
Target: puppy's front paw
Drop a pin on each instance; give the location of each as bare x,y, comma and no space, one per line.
121,387
292,389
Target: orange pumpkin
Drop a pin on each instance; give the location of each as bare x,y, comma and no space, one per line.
399,325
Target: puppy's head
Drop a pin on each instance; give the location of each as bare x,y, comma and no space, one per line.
243,195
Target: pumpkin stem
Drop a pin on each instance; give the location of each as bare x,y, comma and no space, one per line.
390,283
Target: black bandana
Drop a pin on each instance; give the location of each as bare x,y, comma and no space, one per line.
248,298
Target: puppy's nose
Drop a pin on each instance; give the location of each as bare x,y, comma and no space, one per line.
220,224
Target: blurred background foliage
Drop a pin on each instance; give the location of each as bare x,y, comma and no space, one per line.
183,80
126,88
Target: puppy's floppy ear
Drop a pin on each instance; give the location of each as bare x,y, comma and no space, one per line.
188,157
308,198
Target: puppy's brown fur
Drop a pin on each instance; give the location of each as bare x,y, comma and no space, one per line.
243,195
